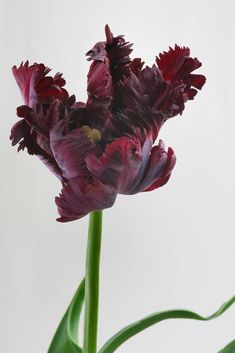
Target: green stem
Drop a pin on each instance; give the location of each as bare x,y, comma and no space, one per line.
92,282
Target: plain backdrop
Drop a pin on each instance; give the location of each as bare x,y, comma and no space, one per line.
171,248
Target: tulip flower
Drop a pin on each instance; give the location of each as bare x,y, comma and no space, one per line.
105,146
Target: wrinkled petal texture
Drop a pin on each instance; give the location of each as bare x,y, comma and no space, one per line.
176,65
36,86
131,169
70,150
80,197
105,146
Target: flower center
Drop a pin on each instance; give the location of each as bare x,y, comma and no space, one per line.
92,134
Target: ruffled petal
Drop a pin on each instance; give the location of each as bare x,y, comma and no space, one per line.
36,86
118,51
115,51
177,65
99,88
70,148
174,63
38,127
158,169
119,164
21,133
142,102
99,85
146,89
26,137
111,62
196,81
160,181
82,196
136,65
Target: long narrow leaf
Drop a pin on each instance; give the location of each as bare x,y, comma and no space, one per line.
230,348
129,331
66,337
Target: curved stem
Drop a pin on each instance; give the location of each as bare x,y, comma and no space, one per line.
92,282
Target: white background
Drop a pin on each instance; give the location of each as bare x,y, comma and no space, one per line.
172,248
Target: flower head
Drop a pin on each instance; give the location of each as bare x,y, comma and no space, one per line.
105,146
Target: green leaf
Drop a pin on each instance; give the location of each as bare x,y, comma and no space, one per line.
230,348
129,331
65,339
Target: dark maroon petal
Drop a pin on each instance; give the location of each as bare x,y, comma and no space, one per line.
115,51
35,121
38,125
111,64
119,164
143,89
109,35
99,93
134,122
158,169
176,65
23,134
147,100
190,93
23,75
196,81
35,128
143,101
136,65
119,60
99,86
172,62
70,149
160,181
36,87
53,115
82,196
99,81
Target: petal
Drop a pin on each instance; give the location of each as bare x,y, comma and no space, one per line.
82,196
38,126
111,64
136,65
196,81
146,89
176,66
158,169
35,86
70,149
172,62
160,181
142,101
99,88
23,75
119,165
23,134
20,133
99,82
118,52
115,51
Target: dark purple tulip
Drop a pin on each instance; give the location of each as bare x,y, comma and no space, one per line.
105,146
